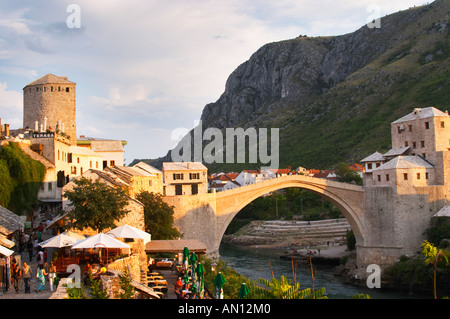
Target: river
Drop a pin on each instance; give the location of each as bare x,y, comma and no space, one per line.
253,263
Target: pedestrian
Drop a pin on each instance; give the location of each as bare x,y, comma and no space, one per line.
15,274
26,275
40,258
41,279
30,249
51,275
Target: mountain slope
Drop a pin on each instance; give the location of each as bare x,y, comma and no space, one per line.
334,98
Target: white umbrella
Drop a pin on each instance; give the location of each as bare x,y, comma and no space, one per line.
127,231
100,241
59,241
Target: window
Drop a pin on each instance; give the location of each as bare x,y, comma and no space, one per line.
422,144
45,89
69,158
112,163
406,143
194,176
414,144
96,164
426,175
149,183
59,89
379,178
90,164
378,164
51,88
442,124
387,177
73,170
67,90
410,128
50,186
405,176
369,166
78,160
178,177
418,175
427,125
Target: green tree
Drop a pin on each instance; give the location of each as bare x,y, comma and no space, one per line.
158,216
126,289
346,175
434,255
96,204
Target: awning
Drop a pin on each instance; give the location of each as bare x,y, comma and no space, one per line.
175,246
444,212
5,251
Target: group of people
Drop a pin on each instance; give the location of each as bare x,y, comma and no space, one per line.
26,273
30,243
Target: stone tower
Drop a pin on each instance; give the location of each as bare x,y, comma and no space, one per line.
49,104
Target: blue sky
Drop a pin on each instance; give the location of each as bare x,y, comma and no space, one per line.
144,69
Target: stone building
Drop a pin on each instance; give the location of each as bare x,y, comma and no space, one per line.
185,178
111,151
49,104
406,186
419,154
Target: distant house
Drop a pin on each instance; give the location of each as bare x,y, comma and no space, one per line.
247,177
111,151
326,174
185,178
223,181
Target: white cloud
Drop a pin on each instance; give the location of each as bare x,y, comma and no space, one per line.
11,106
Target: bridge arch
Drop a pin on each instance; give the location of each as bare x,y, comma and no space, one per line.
349,199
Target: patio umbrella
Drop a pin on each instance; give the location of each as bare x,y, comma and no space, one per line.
194,259
100,240
127,231
200,273
219,281
244,291
186,253
59,241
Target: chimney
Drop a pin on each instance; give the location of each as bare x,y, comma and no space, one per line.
6,130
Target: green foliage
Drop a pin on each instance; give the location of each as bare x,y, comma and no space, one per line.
283,289
76,293
233,278
346,175
20,179
351,240
97,292
127,291
158,216
439,231
96,204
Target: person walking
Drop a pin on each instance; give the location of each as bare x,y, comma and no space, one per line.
15,274
41,279
26,275
30,248
51,275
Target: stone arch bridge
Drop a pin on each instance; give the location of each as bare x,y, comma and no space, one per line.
376,214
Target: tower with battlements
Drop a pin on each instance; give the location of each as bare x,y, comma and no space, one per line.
49,104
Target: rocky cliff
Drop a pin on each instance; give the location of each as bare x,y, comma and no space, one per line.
334,98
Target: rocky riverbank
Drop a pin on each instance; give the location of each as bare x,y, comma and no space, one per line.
322,242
